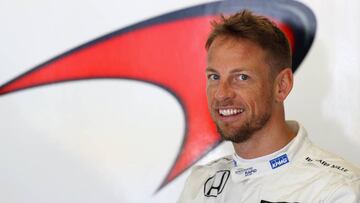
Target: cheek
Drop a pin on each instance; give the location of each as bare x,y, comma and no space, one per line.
263,101
255,100
261,96
209,97
210,93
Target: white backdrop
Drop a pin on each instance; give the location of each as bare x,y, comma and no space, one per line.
93,141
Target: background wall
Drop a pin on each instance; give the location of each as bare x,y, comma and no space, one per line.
115,140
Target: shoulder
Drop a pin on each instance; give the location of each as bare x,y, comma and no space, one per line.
322,162
202,173
340,178
331,164
209,169
225,162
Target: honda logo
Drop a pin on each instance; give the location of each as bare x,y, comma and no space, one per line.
215,184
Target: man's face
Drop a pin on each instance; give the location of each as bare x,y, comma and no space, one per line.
239,88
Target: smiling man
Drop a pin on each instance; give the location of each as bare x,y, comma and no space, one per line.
249,76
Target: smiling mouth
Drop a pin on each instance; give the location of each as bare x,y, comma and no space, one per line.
230,111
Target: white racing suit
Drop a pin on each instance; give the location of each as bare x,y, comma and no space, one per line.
300,172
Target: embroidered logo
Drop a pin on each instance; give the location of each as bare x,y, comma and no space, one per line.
215,184
326,164
247,171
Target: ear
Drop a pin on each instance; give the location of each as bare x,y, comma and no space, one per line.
283,84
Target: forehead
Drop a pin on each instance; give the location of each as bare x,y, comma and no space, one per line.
229,53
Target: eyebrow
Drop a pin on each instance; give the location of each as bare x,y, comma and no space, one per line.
209,69
238,70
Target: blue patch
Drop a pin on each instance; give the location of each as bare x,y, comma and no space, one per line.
279,161
235,164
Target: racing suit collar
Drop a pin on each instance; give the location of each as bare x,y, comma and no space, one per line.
277,161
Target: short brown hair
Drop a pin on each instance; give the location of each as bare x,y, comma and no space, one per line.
258,29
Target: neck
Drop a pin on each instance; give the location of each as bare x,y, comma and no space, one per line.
272,137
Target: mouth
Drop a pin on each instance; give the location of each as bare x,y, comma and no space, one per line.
228,112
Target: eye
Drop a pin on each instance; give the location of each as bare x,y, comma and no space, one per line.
243,77
213,77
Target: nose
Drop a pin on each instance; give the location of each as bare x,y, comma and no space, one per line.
224,91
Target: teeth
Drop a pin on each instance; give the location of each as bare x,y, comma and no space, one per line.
230,112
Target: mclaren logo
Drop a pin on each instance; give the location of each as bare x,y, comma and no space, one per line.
215,184
170,61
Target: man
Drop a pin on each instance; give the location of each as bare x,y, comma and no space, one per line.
248,78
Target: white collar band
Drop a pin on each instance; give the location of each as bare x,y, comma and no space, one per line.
274,162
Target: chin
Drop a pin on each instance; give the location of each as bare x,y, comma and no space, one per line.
236,136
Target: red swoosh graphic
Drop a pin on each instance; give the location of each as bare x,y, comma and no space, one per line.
164,54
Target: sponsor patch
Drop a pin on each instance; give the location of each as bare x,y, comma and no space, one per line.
279,161
246,171
327,164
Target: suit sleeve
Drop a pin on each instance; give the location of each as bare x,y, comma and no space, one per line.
348,192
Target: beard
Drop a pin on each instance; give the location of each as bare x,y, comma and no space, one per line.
245,132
